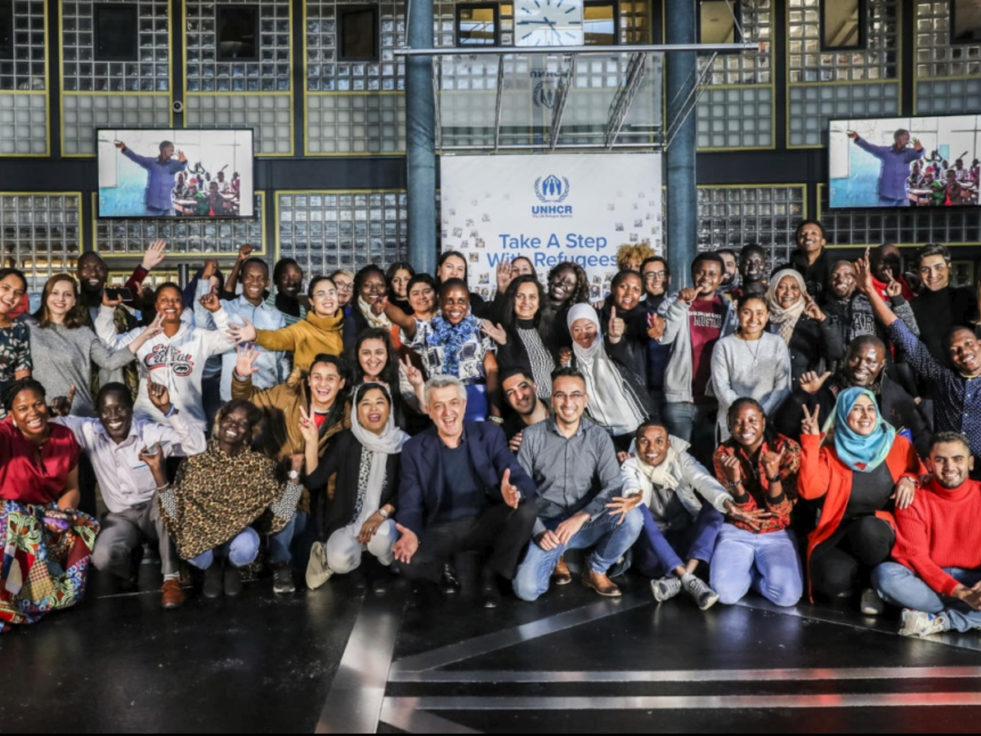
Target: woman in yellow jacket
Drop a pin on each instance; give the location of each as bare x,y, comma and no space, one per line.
319,332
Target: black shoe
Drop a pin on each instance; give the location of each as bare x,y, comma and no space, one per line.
490,594
233,581
212,581
448,583
283,580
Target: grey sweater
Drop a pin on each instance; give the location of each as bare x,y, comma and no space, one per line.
63,358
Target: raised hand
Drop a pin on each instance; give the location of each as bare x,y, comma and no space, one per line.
245,250
812,310
811,382
688,295
159,396
894,288
509,491
412,374
772,462
504,277
494,331
623,505
308,427
565,357
61,406
616,327
732,468
863,274
379,305
406,545
120,145
246,356
210,268
181,157
809,424
154,254
210,301
852,134
655,326
242,333
107,302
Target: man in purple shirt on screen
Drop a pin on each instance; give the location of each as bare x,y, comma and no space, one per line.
160,174
895,161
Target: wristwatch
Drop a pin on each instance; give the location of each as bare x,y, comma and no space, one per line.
294,475
383,512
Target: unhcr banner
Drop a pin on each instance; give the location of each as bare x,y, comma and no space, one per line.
549,208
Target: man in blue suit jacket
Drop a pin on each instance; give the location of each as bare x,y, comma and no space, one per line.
461,490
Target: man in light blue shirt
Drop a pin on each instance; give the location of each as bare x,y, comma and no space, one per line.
895,159
160,173
274,366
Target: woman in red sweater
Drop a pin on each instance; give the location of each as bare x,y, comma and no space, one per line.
862,469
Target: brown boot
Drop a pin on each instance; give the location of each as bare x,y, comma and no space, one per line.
600,583
561,574
171,595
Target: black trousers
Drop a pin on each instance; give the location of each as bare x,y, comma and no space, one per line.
498,530
845,560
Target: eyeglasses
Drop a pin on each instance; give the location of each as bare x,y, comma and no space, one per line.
345,287
654,275
575,395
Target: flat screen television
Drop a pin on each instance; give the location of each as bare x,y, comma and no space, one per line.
176,173
904,162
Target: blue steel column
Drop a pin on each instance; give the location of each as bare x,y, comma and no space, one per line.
682,211
420,137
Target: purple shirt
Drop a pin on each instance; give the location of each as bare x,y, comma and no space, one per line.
159,178
895,167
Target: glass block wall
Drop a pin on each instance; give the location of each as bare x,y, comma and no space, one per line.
948,76
822,85
135,94
23,84
247,93
326,230
735,109
129,238
40,232
733,216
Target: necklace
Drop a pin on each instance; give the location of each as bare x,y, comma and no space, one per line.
754,353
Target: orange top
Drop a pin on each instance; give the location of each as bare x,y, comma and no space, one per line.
822,474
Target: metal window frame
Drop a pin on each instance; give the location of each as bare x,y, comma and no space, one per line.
495,7
863,29
98,30
952,6
615,4
348,10
735,7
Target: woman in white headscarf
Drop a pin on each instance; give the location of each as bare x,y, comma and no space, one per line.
618,398
813,341
366,460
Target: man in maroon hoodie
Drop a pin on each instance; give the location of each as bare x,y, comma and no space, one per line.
936,576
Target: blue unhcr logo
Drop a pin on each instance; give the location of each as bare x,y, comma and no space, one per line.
551,190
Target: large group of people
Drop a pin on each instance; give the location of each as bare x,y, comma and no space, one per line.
784,430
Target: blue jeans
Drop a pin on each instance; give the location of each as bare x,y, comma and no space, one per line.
240,550
899,585
612,540
656,553
694,423
281,541
768,563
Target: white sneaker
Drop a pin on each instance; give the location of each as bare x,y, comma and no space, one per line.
921,623
871,604
665,588
698,589
317,571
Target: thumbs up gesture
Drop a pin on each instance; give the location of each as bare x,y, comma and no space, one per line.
616,327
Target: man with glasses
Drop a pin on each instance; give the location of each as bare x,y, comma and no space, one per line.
657,278
574,466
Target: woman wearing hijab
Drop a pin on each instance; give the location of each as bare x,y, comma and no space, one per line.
366,460
862,469
618,401
811,338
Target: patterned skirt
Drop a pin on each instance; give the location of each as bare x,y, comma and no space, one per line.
40,571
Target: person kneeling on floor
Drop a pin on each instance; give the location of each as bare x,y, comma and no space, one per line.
664,481
219,493
937,553
574,464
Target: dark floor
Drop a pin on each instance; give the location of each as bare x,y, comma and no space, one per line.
345,659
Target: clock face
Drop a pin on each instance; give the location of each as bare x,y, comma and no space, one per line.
548,23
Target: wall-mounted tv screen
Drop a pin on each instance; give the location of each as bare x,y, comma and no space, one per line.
904,162
175,173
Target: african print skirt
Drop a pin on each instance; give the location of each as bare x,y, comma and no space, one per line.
41,571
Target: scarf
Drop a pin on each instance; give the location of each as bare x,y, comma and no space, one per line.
451,338
863,453
609,403
660,475
374,320
375,449
785,320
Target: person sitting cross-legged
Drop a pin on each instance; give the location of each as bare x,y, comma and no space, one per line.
461,491
574,466
937,554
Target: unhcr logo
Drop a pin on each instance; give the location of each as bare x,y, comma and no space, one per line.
551,190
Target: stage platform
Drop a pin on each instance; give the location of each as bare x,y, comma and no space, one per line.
344,658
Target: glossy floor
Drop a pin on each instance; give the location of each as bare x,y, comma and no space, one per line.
344,659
